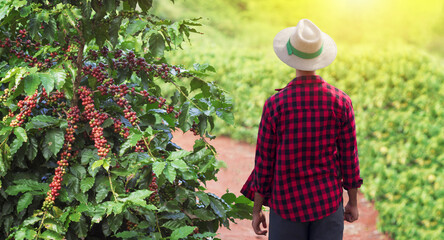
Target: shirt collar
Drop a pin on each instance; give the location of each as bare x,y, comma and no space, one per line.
304,80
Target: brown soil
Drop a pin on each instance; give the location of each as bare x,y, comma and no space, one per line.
239,158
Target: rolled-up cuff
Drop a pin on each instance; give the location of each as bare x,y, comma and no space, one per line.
249,189
356,184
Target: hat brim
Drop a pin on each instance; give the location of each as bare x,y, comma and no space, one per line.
324,59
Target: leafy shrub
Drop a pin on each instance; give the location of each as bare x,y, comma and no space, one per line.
86,144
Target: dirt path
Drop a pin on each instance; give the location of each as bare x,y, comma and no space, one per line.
239,158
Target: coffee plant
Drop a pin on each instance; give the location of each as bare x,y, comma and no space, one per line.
89,104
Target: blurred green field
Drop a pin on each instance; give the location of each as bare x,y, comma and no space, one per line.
390,58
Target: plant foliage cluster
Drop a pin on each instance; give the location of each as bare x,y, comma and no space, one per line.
88,107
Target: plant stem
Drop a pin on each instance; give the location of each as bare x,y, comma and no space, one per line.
79,65
111,186
4,141
157,225
178,88
41,225
76,82
147,144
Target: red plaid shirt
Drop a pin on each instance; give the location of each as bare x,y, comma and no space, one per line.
306,150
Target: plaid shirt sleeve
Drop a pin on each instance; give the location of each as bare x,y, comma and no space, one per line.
262,175
348,150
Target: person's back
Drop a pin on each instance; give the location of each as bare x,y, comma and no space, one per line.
306,149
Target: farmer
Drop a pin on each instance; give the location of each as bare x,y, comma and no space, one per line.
306,147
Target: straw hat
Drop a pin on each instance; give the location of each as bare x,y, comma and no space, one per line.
305,47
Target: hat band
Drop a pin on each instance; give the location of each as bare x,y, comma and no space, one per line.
294,51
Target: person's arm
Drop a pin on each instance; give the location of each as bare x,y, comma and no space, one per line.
265,152
351,212
348,151
264,167
258,215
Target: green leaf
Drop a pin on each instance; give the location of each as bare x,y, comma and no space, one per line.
32,150
203,67
54,224
88,155
21,134
31,220
203,197
71,70
184,125
101,192
47,81
78,170
86,184
101,33
157,45
179,164
133,138
26,185
80,228
229,197
138,197
196,83
42,121
145,5
20,234
170,173
158,167
228,117
178,154
218,207
54,140
126,234
19,3
5,9
174,224
24,12
182,232
51,235
50,30
16,145
114,30
31,84
7,222
182,194
136,25
5,159
75,217
110,6
97,164
204,214
30,233
59,76
34,26
115,222
24,201
14,74
47,154
184,94
97,214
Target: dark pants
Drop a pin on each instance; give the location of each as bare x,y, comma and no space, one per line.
328,228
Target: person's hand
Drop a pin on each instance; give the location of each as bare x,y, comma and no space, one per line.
351,212
259,218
